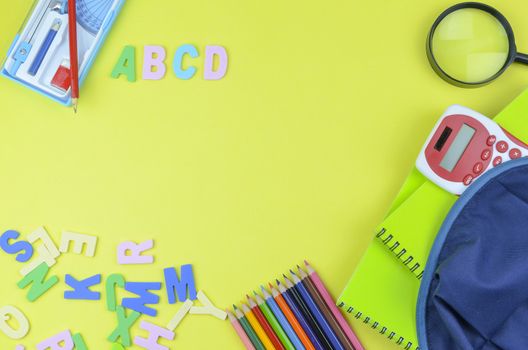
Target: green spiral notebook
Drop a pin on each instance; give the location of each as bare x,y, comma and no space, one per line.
384,287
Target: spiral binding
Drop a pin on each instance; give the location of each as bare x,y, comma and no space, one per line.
375,325
400,252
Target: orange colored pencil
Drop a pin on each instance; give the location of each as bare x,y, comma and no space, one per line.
291,319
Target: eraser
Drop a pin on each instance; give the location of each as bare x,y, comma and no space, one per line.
62,78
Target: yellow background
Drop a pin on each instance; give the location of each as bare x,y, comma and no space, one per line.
296,154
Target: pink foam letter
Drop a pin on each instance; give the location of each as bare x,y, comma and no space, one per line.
135,250
54,342
154,57
155,332
210,53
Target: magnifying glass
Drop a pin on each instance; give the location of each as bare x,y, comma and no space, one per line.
471,44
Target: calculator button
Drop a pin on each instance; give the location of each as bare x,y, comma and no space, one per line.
486,154
502,146
468,180
497,161
491,140
477,169
515,153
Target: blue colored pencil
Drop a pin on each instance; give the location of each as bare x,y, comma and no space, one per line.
298,314
314,309
282,319
295,296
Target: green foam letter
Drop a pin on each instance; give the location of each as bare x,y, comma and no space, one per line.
126,64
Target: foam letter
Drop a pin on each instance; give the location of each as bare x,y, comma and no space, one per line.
20,347
178,317
181,286
145,297
81,289
8,312
123,326
207,308
155,332
37,277
135,256
79,342
210,53
126,64
17,247
184,74
112,281
154,57
78,241
54,342
47,251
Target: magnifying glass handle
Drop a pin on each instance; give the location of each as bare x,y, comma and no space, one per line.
521,58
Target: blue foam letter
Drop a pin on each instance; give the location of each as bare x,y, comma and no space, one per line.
184,74
81,289
145,297
16,247
180,285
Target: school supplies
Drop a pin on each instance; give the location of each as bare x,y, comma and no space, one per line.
295,315
470,44
39,56
74,58
463,145
384,287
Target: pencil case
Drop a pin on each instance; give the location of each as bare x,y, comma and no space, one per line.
39,54
473,292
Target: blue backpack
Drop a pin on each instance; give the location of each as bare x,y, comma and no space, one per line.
474,292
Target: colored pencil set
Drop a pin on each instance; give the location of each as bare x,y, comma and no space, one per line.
295,314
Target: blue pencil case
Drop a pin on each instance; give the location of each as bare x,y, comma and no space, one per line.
473,295
39,55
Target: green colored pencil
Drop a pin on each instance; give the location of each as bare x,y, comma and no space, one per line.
273,322
248,329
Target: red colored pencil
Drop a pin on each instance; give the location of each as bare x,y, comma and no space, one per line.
265,324
74,59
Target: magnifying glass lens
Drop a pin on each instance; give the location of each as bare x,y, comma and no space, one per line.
470,45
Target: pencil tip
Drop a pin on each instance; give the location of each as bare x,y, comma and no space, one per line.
283,275
298,267
293,273
247,296
306,263
254,292
271,285
234,307
75,103
278,282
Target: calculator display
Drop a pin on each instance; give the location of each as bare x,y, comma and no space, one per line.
459,145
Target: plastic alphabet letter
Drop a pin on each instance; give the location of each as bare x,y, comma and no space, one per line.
81,289
17,247
154,57
124,324
47,251
78,341
145,297
126,64
112,281
79,240
20,347
184,74
210,53
54,343
174,284
6,314
155,332
37,278
207,308
135,250
178,317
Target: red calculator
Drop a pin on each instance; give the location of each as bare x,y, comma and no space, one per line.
463,145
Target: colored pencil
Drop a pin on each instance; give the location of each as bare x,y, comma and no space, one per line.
325,294
283,325
257,328
294,295
240,331
247,328
265,324
74,58
310,287
303,337
312,305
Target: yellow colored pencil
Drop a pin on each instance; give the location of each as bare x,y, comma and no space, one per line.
257,328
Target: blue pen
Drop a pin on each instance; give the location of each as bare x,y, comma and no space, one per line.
46,44
321,320
298,314
282,319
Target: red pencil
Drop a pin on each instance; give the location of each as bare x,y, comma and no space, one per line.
74,60
265,324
